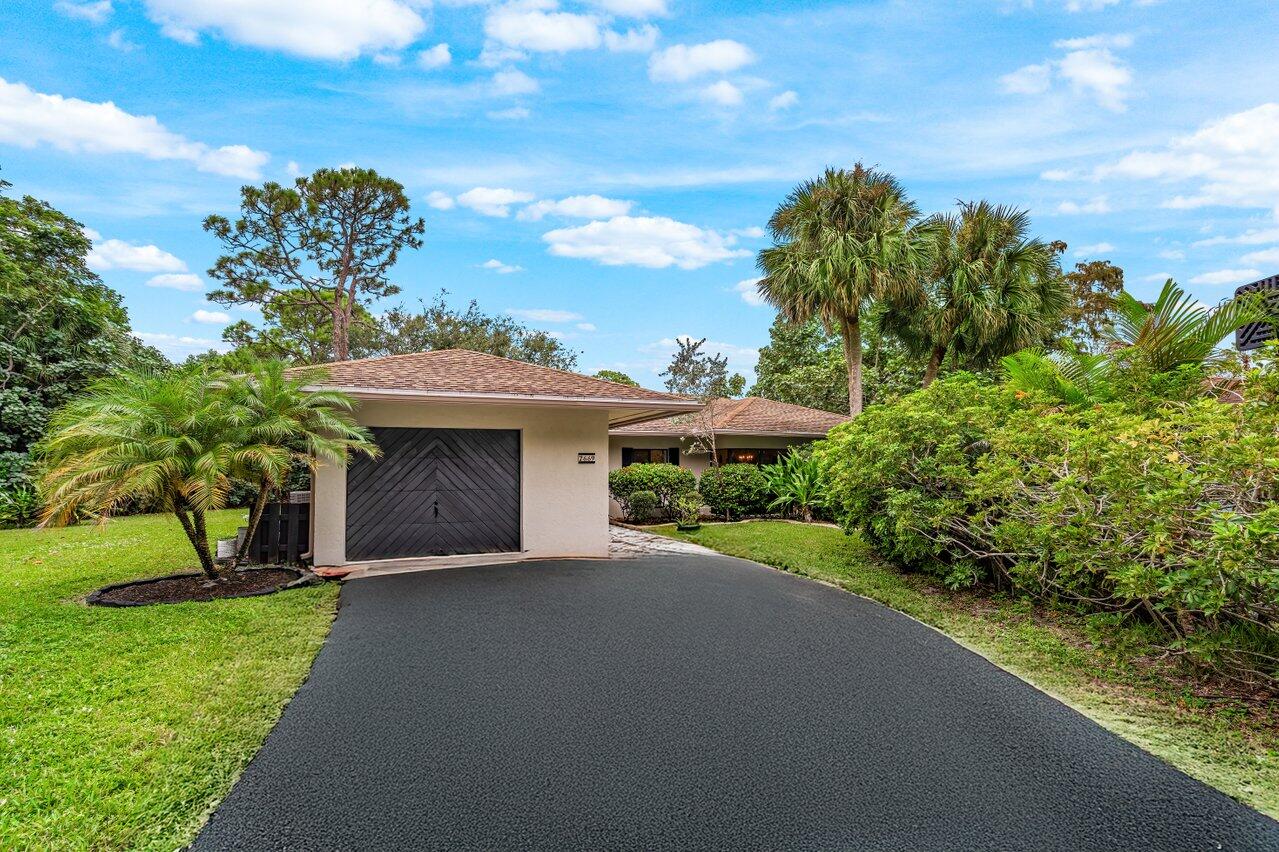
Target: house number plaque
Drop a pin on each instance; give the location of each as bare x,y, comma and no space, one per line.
586,458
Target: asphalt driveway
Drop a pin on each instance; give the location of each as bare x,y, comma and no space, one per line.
679,702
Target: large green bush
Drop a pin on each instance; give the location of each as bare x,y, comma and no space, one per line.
1167,514
667,481
735,490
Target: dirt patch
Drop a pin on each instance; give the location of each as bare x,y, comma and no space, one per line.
181,588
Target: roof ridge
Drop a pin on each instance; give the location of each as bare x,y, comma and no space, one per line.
731,411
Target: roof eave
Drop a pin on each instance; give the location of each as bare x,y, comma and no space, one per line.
664,407
752,433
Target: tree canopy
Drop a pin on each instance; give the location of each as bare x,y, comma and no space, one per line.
696,373
616,376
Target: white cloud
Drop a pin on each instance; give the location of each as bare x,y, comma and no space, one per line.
682,62
785,100
179,346
117,40
723,93
1156,277
517,113
435,57
1089,66
749,291
93,12
1265,256
1227,276
117,254
1251,237
29,118
651,241
514,82
1235,161
493,201
739,357
633,8
543,315
1098,204
1172,254
338,29
500,268
1088,5
577,207
184,281
292,169
390,60
1058,175
1093,250
524,27
211,317
634,40
585,326
439,200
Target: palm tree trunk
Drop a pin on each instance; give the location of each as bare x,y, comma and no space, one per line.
935,359
853,357
201,542
255,518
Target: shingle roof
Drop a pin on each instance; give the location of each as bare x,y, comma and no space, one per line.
752,415
463,372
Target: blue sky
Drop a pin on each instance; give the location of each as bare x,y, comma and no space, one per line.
603,169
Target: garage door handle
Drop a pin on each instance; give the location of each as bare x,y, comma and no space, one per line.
436,507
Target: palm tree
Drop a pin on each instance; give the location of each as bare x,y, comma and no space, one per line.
157,439
841,243
280,424
992,290
1177,329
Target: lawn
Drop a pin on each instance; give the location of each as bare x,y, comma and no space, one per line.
123,727
1107,673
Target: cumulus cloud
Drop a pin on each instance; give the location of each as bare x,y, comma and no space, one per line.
585,326
1099,204
543,315
93,12
577,207
634,40
722,93
117,254
739,357
1089,66
749,291
493,201
525,27
1251,237
184,281
1094,250
1227,276
1267,257
651,241
632,8
785,100
331,30
178,346
440,200
514,82
500,268
29,118
682,62
211,317
435,57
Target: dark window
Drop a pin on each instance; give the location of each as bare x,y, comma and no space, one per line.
747,455
643,455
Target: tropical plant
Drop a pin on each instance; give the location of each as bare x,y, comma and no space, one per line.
841,243
280,424
688,509
797,483
19,507
1072,376
735,490
991,290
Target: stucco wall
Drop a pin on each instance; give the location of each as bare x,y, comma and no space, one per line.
563,503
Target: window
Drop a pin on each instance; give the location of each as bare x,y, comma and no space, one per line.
646,455
745,455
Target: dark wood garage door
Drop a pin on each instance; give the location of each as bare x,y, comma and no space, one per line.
435,492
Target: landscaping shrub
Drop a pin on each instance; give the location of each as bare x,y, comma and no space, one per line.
643,505
735,490
688,509
1164,513
666,481
797,484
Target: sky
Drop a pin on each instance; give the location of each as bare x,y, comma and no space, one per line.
605,169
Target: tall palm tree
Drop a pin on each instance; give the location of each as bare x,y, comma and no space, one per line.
841,243
281,424
158,439
992,290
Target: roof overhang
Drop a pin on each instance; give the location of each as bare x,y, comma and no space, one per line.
617,433
622,411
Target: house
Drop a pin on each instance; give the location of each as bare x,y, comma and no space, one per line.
480,454
749,431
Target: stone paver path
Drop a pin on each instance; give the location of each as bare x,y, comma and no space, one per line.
625,543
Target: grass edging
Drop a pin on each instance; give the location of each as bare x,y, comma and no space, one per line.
1220,744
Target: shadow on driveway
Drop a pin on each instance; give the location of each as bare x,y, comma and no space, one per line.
682,702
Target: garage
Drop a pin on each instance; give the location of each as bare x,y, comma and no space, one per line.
435,492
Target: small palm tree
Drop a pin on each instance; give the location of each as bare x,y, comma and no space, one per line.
841,243
1177,329
1071,376
992,290
161,440
280,424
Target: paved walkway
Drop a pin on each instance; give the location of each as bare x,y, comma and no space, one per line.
686,702
626,543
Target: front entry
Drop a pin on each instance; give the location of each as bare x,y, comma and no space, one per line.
434,492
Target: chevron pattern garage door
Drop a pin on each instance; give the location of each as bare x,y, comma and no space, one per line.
435,492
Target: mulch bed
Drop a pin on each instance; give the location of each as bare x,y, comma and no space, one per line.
181,588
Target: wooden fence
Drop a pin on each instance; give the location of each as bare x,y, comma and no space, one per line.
284,534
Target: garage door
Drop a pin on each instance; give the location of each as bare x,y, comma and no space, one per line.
435,492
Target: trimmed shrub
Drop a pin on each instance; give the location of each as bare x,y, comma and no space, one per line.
666,481
688,509
643,505
735,490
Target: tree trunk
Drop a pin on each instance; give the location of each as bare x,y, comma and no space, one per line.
935,359
201,542
255,518
853,357
341,338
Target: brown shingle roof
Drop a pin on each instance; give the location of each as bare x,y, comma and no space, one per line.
752,415
467,373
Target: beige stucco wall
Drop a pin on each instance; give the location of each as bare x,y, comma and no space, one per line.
562,503
696,462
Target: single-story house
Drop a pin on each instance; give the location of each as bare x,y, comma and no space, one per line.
480,454
752,430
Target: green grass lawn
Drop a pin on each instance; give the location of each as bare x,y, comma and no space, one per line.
1105,674
123,727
